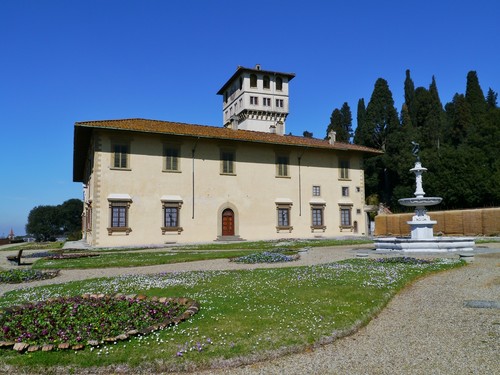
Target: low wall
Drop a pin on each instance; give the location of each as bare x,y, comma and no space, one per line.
478,222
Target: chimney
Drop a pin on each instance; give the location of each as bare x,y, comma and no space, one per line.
272,129
332,137
280,128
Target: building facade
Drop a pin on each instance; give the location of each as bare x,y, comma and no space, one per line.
150,182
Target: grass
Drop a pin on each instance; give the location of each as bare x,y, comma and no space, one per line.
35,246
244,315
146,257
134,259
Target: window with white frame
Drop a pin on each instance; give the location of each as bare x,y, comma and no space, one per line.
316,191
267,102
254,100
345,191
279,103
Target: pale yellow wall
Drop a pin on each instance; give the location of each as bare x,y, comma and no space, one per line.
251,192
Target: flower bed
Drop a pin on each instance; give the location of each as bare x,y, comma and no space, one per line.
403,260
73,322
71,256
265,257
16,276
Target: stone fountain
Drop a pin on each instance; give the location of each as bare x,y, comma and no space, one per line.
422,236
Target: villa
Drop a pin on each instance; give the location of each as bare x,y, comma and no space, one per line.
150,182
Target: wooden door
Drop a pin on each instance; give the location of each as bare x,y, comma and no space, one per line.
228,222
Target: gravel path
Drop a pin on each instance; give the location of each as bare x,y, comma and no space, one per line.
426,329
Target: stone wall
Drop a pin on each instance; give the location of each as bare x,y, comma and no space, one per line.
478,222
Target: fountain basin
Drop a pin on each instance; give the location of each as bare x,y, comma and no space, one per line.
420,201
435,244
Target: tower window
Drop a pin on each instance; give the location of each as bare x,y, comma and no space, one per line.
253,80
254,100
267,102
279,83
266,82
279,103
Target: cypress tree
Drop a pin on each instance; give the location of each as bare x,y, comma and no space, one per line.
346,123
381,116
360,120
410,95
491,99
335,124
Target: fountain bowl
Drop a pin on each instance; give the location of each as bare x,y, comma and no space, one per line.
420,201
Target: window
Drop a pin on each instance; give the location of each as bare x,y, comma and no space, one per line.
344,169
254,100
283,212
119,220
253,80
266,81
345,217
171,214
279,83
317,216
316,191
279,103
227,162
282,166
120,155
267,102
88,216
345,191
171,158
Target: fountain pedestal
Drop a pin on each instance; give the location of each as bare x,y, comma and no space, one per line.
422,233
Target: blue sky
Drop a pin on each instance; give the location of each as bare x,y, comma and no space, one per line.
76,60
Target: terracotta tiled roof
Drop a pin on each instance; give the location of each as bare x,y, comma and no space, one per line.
83,130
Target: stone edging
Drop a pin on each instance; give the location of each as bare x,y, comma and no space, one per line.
192,308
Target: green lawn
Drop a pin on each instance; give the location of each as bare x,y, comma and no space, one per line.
178,254
253,313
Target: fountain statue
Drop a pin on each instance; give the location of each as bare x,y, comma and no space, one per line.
421,226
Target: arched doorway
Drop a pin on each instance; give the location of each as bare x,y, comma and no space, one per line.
228,222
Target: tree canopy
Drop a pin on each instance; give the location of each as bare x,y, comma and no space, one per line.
47,222
460,143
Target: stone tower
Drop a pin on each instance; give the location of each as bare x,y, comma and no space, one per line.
256,99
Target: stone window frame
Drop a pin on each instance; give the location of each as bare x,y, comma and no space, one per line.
169,203
119,203
314,208
281,208
343,209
